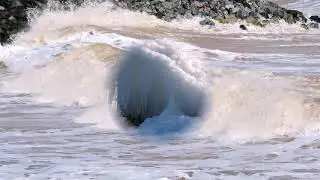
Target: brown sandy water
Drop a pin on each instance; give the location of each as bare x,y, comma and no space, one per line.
263,122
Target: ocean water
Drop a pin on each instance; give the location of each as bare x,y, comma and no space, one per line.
227,104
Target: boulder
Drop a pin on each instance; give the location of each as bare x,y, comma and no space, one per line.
265,22
297,15
220,10
2,65
313,25
16,3
243,13
289,19
243,27
315,19
274,20
304,26
206,22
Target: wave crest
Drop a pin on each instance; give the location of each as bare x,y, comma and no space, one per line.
145,81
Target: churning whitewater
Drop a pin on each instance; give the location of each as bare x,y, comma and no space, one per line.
153,80
106,93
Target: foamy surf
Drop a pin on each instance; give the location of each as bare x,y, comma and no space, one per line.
55,22
137,78
149,76
233,104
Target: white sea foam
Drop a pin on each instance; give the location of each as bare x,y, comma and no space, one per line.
237,101
69,66
154,80
54,23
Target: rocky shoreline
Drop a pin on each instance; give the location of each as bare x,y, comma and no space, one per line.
256,12
14,18
13,13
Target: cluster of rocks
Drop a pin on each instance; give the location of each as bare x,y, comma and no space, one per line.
13,13
257,12
13,16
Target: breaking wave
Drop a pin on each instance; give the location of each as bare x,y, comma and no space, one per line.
150,81
163,91
161,85
55,22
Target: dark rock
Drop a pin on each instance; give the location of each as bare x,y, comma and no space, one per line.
243,27
16,3
315,19
289,19
206,22
279,13
194,10
18,13
265,22
229,6
3,22
168,5
39,4
13,16
274,20
297,16
2,65
3,14
243,13
304,26
219,10
313,25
